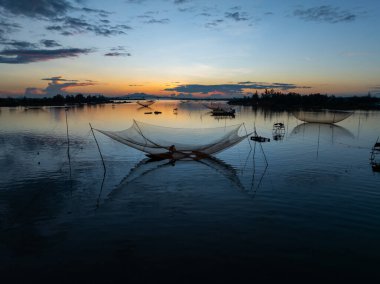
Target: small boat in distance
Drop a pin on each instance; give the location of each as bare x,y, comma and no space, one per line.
223,112
255,137
220,109
259,139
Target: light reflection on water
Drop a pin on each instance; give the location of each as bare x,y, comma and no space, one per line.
313,209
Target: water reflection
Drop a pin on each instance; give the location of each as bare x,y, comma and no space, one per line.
150,172
321,129
172,213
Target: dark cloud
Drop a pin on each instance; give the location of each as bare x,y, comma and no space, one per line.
97,11
54,28
135,1
58,78
66,33
157,21
237,16
117,54
118,51
232,89
205,14
235,8
20,56
60,14
49,43
7,27
118,48
181,1
326,14
19,44
46,9
187,9
72,25
214,23
57,87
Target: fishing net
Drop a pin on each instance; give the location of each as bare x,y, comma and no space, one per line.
155,140
145,103
325,116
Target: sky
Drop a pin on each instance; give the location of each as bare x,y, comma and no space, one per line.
189,48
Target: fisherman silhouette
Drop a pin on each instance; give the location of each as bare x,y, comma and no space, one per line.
172,149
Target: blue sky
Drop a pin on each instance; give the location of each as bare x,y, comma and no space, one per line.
189,47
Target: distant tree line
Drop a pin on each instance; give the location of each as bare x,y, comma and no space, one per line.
277,100
57,100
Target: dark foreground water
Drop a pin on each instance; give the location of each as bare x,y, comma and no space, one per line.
312,214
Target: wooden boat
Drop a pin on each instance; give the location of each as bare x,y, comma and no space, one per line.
223,112
260,139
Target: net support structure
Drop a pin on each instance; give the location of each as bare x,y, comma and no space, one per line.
178,143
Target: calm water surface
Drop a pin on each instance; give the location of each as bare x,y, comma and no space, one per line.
313,212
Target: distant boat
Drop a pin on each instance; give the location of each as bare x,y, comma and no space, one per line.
323,116
33,107
255,137
223,112
220,109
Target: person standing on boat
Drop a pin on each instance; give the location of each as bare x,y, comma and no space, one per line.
172,149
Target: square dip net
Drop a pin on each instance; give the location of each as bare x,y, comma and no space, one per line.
178,143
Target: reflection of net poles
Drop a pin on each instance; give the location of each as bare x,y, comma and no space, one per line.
68,141
104,167
254,172
68,149
100,152
260,140
211,162
319,133
101,190
359,125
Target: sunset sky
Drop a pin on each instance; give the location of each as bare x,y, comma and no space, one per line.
189,47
